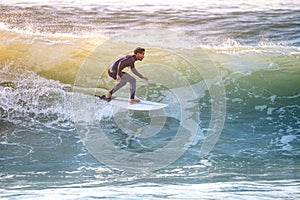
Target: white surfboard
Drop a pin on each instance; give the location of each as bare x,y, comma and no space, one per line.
142,105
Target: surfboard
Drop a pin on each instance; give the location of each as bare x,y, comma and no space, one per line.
142,105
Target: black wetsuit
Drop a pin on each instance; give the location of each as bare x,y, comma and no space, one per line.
116,69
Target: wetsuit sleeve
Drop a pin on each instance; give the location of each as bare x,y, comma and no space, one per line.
120,67
133,69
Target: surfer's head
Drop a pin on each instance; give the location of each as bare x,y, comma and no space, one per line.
139,53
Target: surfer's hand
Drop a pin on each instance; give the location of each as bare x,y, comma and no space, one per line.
145,78
118,78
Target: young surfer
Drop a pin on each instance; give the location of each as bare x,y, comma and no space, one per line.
115,71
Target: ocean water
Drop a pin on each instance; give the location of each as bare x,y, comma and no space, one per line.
228,70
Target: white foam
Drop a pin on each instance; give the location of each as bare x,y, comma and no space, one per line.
34,100
287,139
30,32
270,110
260,107
218,190
273,98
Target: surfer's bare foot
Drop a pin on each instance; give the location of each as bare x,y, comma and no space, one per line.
134,101
108,95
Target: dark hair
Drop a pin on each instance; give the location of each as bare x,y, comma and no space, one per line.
139,50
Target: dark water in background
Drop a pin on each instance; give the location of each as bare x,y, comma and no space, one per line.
47,47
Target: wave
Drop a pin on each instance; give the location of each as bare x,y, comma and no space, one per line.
55,57
59,57
213,79
42,72
30,100
42,103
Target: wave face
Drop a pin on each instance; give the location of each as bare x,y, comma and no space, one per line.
230,74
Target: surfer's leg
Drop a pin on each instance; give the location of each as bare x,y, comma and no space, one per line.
124,79
114,76
118,86
132,82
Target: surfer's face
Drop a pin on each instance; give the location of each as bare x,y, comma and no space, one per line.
140,56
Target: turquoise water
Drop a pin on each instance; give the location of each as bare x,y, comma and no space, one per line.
228,70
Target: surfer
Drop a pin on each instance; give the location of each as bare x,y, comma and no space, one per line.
115,71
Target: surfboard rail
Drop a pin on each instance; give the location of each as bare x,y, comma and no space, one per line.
143,105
